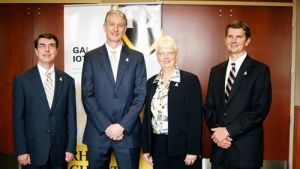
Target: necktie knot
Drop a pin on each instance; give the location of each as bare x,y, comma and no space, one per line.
113,53
48,74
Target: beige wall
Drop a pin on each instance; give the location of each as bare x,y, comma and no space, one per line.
297,67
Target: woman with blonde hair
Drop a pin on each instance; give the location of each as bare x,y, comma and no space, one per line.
172,123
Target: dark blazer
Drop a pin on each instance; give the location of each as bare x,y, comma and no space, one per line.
37,129
184,116
106,102
248,105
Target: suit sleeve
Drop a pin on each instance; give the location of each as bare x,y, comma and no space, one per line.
139,93
94,112
18,121
72,122
209,106
260,105
195,124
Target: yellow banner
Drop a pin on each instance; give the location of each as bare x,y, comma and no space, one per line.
80,160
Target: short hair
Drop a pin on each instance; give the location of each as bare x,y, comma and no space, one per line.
239,24
47,36
166,42
118,12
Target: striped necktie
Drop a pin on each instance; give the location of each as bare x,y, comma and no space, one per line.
230,81
49,89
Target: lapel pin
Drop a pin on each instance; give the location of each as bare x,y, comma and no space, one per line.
245,73
176,84
127,60
60,79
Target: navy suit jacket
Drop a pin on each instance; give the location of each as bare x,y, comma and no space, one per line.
37,129
247,107
107,102
184,116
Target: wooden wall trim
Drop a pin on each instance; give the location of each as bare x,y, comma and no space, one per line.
296,158
207,2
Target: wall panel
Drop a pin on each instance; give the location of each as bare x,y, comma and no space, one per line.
22,23
50,18
16,46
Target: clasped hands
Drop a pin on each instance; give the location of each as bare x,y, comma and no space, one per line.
221,137
115,132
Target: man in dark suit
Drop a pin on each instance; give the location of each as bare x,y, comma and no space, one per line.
44,118
113,93
235,113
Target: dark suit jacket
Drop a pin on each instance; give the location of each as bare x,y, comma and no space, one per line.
106,102
248,105
184,116
37,129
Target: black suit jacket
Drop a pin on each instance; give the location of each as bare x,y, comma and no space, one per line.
248,105
184,116
37,129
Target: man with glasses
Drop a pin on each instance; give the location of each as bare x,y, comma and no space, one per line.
44,111
113,93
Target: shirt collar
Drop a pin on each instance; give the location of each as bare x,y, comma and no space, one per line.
117,49
175,76
43,70
239,61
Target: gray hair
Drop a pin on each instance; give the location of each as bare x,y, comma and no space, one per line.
118,12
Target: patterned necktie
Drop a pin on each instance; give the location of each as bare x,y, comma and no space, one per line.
230,82
49,89
114,63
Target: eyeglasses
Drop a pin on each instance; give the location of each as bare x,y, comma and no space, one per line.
166,54
112,25
50,46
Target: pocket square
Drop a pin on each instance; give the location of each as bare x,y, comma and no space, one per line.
60,79
245,73
127,60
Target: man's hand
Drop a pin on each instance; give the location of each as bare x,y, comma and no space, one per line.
220,134
115,132
69,157
24,159
148,158
226,143
190,159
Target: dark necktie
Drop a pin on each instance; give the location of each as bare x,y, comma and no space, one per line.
230,81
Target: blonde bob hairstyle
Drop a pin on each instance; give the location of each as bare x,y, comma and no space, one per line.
166,42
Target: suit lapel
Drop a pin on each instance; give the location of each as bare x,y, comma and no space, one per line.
123,65
58,87
38,85
105,62
241,75
152,91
